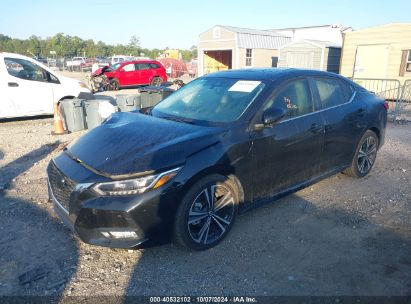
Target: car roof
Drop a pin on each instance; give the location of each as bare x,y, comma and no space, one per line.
270,73
138,61
6,54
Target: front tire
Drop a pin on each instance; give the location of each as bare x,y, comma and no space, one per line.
207,212
114,85
365,154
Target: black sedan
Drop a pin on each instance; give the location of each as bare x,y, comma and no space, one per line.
221,145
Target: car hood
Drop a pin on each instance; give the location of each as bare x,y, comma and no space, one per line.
100,71
71,85
134,143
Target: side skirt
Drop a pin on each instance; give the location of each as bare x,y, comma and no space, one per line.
272,198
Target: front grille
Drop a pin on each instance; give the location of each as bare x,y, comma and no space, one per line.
61,186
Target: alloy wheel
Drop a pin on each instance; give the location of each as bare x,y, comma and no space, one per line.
156,81
211,214
114,85
367,154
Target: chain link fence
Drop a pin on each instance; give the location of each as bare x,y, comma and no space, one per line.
67,64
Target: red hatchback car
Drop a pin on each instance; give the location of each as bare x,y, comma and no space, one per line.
139,72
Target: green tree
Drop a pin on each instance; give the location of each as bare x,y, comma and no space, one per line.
134,45
70,46
34,46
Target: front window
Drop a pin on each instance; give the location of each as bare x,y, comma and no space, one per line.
294,97
129,67
25,69
213,100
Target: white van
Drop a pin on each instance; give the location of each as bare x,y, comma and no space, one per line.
29,88
120,58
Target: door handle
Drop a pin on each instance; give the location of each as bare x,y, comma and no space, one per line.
13,84
316,128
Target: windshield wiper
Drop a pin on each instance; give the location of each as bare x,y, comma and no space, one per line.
179,119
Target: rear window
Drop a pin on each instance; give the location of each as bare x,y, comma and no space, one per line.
347,89
332,92
154,66
142,66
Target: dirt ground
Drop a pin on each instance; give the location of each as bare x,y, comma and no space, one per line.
341,236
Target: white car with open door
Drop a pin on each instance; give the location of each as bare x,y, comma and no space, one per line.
29,88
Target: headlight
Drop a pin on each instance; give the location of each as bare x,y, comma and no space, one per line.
135,185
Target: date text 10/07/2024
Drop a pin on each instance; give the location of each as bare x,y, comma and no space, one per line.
202,299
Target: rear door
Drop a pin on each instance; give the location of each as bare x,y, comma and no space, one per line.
145,73
157,70
344,120
289,152
27,87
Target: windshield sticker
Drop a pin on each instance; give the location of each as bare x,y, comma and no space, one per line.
244,86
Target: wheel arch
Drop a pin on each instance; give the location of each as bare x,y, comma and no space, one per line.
377,132
156,76
65,97
226,171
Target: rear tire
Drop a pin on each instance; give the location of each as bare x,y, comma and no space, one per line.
365,154
156,81
206,213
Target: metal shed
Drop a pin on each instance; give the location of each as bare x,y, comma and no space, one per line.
311,54
227,47
378,52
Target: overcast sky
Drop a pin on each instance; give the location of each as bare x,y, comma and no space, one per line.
177,23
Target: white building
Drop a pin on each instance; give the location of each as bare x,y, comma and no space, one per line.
329,33
226,47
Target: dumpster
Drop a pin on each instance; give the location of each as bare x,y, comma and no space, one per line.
73,114
150,96
97,111
127,103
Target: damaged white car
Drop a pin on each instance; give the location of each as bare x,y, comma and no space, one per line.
29,88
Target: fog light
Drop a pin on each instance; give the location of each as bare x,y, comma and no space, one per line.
119,234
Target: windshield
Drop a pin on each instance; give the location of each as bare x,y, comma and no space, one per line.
115,66
211,99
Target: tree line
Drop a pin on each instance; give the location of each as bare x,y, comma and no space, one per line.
71,46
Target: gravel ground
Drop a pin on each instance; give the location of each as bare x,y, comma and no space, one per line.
339,237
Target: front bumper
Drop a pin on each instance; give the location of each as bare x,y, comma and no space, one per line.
148,216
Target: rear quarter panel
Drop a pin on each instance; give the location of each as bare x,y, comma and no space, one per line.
376,115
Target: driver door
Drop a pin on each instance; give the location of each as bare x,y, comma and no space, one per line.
127,74
27,87
288,152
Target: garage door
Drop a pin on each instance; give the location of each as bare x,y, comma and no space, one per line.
217,61
300,60
371,61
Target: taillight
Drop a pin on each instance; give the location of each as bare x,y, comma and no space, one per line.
386,105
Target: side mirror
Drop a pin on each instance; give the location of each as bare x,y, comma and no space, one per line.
121,70
272,115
